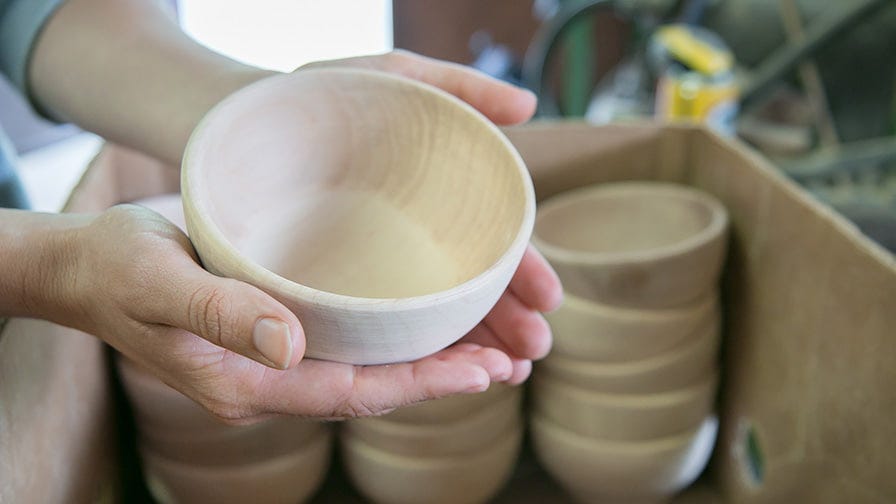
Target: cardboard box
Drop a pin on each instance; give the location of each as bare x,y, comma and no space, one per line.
809,366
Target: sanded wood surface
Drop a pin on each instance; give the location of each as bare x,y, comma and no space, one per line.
390,233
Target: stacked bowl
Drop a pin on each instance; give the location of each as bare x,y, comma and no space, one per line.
190,456
623,408
460,449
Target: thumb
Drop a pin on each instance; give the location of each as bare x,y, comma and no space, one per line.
236,316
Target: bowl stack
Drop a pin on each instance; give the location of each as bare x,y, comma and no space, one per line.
189,456
623,408
460,449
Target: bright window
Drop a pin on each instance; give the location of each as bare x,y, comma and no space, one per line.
284,34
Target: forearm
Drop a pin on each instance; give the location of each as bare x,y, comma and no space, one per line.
125,70
36,256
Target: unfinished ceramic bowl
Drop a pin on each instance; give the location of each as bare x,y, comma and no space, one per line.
463,436
387,478
674,369
634,244
624,417
623,471
589,330
388,215
286,479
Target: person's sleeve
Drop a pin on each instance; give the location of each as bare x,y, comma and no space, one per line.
20,24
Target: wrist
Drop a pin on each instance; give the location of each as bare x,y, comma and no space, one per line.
41,260
62,260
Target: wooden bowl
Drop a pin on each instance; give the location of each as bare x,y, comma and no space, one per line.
286,479
388,215
634,244
387,478
463,436
589,330
173,426
452,408
159,407
678,367
624,417
596,470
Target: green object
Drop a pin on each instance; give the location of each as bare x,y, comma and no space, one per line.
578,75
755,458
893,112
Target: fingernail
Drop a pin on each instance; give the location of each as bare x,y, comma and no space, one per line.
273,340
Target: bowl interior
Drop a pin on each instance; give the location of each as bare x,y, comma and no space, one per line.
622,218
358,183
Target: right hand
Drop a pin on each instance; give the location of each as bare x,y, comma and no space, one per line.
134,280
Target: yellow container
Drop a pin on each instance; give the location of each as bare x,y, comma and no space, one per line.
697,81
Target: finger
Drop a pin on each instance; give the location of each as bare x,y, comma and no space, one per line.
525,332
333,390
484,336
228,313
535,283
502,103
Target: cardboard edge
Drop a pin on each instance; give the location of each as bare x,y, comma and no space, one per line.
795,191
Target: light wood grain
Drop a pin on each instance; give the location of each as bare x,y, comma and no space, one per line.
174,427
676,368
634,244
624,417
388,215
464,436
589,330
388,478
287,479
623,471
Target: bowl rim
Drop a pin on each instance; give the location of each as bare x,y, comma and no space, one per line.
710,337
508,439
708,428
507,406
708,302
267,279
631,400
317,447
713,230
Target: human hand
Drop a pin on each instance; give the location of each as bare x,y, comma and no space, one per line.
132,278
194,330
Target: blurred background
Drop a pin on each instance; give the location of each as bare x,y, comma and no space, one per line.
810,84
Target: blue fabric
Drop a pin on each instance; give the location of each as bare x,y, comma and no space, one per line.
12,194
20,23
